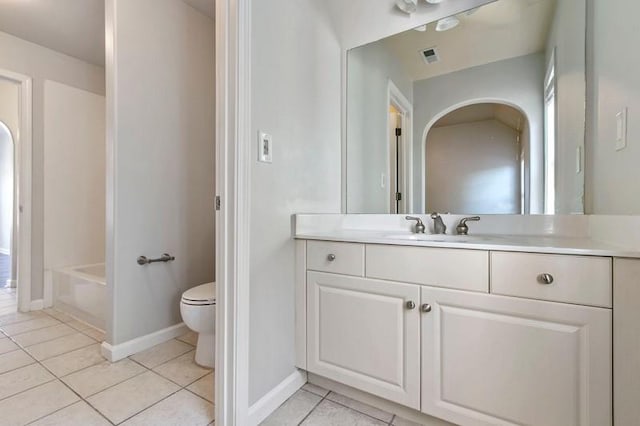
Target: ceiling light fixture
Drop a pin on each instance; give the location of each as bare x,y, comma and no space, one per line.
421,28
447,23
407,6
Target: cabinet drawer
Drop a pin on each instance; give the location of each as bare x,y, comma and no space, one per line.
337,258
581,280
451,268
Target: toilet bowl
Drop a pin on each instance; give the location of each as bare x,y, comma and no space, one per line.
198,310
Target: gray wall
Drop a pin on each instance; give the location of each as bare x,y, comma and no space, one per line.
44,64
370,68
160,167
612,176
517,82
473,168
296,94
567,36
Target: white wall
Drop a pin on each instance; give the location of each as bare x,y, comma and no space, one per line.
74,171
516,82
568,37
9,117
614,59
44,64
296,87
473,168
370,68
160,160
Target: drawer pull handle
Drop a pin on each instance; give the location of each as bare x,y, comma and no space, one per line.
411,304
426,308
331,257
545,279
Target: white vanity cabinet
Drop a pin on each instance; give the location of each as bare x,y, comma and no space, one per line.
474,337
366,334
493,360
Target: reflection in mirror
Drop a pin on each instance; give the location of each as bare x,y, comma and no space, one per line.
485,142
485,117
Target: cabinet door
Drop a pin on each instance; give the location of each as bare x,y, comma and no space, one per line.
494,360
362,333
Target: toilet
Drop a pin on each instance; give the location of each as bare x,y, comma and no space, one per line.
198,310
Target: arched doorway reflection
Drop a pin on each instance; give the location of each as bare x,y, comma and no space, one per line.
6,202
476,161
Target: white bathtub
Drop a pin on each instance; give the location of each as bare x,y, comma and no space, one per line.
81,291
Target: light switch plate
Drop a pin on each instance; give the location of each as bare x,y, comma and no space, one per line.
621,130
265,147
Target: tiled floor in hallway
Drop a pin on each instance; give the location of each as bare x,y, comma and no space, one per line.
52,373
315,406
8,301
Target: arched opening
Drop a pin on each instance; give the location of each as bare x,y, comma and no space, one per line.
476,160
7,174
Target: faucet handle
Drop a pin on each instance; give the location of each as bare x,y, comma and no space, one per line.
435,215
420,228
462,228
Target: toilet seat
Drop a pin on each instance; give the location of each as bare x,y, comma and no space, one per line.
202,295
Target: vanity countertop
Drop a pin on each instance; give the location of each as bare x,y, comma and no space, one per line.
515,243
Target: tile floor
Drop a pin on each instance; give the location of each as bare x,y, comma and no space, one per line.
315,406
5,269
52,373
8,300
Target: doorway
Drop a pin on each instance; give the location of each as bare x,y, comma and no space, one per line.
399,133
15,192
8,297
475,161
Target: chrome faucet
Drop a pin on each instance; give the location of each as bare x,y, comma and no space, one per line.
462,227
438,225
419,228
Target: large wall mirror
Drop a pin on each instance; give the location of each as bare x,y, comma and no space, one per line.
479,113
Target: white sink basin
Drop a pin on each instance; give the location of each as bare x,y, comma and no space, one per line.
438,238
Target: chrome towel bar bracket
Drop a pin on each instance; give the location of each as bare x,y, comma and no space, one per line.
144,260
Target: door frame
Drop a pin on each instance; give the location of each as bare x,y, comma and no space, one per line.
396,98
22,188
233,186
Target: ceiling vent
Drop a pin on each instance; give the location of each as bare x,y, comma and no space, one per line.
430,55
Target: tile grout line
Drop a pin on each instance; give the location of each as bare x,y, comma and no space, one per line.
59,379
314,407
180,387
390,423
85,400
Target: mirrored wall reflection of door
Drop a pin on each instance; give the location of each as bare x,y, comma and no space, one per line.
398,131
475,160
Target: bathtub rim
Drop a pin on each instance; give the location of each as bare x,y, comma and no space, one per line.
73,270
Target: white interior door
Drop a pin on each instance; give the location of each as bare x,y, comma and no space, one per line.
492,360
362,333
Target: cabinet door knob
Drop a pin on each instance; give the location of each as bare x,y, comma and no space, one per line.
545,279
425,307
411,304
331,257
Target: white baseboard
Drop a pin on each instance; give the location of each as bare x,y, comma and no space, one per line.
36,305
266,405
5,251
117,352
